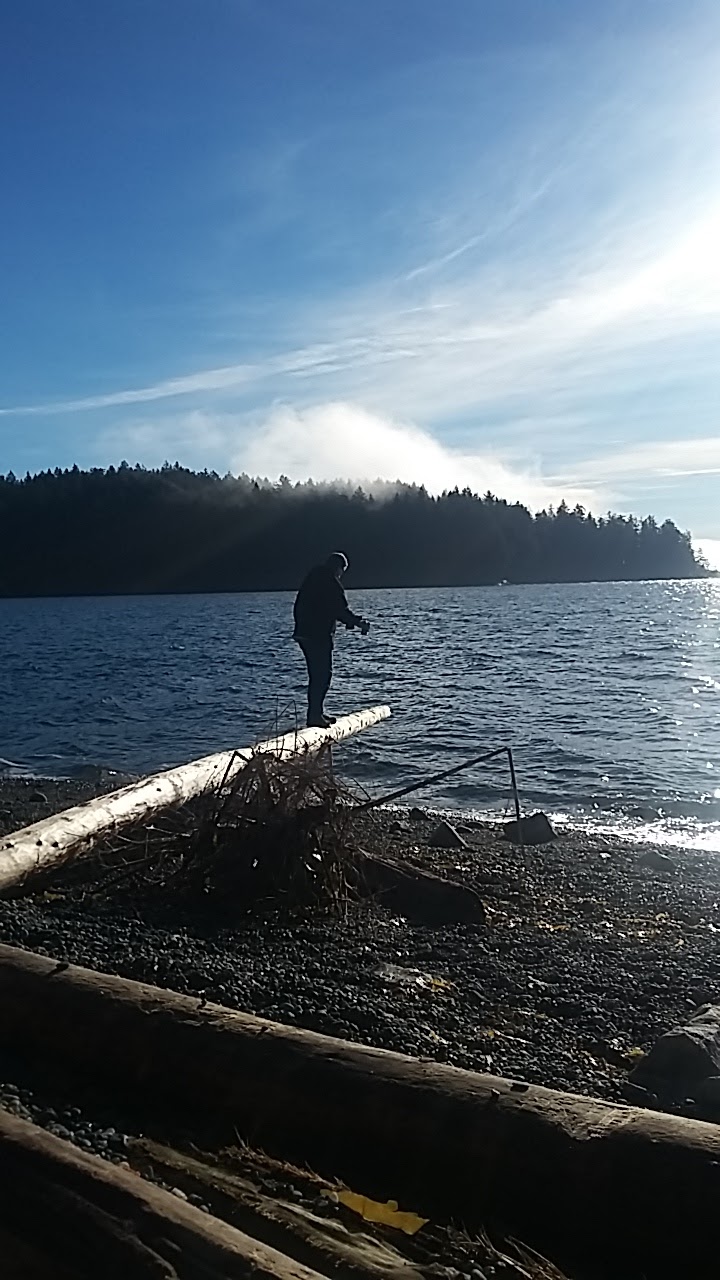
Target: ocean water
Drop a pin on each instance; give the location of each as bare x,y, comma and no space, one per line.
609,694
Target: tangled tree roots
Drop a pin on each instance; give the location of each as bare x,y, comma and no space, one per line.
281,832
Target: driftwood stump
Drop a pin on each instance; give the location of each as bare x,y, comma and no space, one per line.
419,894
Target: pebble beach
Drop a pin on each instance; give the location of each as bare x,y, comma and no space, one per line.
592,949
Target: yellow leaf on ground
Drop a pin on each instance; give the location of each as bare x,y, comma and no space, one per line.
388,1215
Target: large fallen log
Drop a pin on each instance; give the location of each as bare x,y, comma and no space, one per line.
566,1174
68,1214
55,840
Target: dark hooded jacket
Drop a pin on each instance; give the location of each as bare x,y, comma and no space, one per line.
320,604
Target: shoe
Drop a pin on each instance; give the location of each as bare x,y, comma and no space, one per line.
319,722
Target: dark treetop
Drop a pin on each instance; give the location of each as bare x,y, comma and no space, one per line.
131,530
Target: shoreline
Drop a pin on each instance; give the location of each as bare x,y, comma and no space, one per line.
18,809
703,575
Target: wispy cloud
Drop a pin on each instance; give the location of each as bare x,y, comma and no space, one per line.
477,344
497,224
657,460
190,384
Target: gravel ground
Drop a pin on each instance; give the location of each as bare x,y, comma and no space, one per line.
26,800
27,1093
593,949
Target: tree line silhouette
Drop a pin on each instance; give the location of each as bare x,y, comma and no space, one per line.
131,530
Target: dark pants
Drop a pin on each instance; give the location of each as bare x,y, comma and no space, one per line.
318,655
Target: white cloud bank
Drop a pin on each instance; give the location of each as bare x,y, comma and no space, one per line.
344,442
341,441
331,442
347,442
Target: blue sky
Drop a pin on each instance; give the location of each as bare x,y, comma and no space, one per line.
455,241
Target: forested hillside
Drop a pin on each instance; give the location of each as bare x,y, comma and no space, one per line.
132,530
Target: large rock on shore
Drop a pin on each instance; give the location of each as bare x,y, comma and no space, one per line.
683,1059
445,836
536,828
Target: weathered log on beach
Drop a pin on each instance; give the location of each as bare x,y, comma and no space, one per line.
65,1214
56,840
567,1174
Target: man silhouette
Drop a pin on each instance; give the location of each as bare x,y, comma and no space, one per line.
319,606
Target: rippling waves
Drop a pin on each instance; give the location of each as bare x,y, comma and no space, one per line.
608,693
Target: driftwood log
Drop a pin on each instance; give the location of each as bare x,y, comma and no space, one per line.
65,1214
56,840
568,1175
